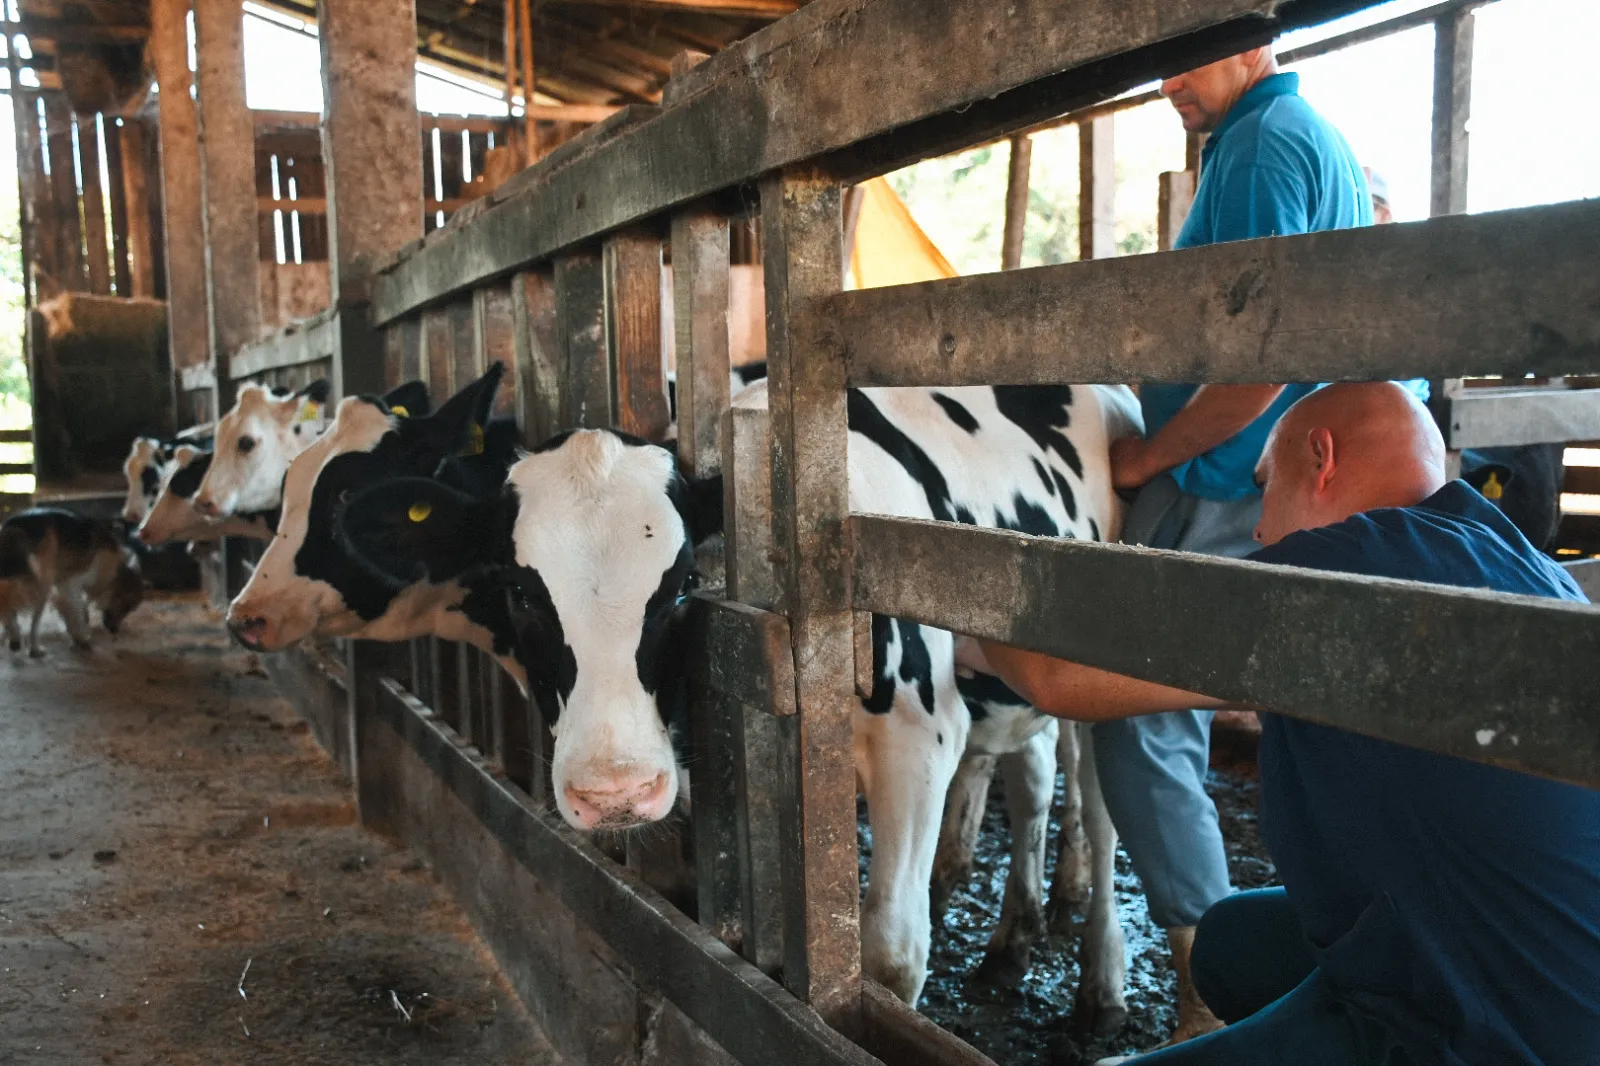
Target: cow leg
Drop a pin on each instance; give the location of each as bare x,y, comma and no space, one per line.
905,760
1070,890
1101,1006
958,832
1029,776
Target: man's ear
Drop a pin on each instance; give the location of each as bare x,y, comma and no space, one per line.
414,529
409,400
458,424
700,501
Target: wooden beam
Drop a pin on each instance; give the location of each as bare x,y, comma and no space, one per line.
227,144
1513,686
1508,292
68,227
700,271
116,182
188,313
96,245
580,283
831,67
1452,101
530,83
574,112
1017,181
772,9
32,189
539,355
1482,418
1097,188
802,232
1175,198
633,334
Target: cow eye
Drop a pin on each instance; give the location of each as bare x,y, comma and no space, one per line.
245,444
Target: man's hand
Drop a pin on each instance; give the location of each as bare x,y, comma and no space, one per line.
1130,463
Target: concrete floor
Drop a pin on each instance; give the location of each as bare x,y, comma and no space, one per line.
165,822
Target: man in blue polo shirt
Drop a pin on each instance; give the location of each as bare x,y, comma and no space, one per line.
1271,167
1435,911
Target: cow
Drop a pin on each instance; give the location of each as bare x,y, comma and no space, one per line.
255,441
306,585
1523,481
173,517
592,543
143,467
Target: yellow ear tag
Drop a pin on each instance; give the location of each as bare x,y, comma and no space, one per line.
420,511
308,413
1492,489
399,412
476,446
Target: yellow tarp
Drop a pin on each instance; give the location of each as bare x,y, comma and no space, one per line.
890,248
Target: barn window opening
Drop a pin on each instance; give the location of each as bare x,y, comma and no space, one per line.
438,167
466,157
44,137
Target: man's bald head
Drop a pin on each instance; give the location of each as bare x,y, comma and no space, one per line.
1344,449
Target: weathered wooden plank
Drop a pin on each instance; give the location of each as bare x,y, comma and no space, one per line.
581,304
116,183
494,331
540,355
33,190
1586,572
188,316
308,341
801,228
67,227
438,353
1097,188
633,334
371,138
1452,102
718,875
1511,291
1480,418
893,80
97,253
318,690
900,1036
464,342
1175,198
227,143
743,652
1512,685
1018,177
739,1007
762,744
700,271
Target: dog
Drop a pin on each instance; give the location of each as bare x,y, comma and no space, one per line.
53,556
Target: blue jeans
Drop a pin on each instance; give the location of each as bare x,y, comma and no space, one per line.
1255,971
1153,769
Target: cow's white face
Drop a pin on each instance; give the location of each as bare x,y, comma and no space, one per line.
281,604
173,517
603,558
142,468
255,442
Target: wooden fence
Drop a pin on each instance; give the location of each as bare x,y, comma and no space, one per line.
560,277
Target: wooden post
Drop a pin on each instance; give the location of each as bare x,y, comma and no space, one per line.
802,234
581,313
97,254
31,187
121,269
68,229
1097,188
633,334
228,146
188,314
1452,100
1016,201
371,137
530,129
700,267
539,359
1176,198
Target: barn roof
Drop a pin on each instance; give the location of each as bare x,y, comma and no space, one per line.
585,51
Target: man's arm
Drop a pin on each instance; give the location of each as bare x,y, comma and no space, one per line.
1083,693
1213,415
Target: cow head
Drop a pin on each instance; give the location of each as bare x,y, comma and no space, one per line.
172,516
305,583
255,442
142,468
592,545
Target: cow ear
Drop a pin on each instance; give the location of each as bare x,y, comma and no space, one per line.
317,392
414,529
1491,480
409,400
185,454
457,426
701,505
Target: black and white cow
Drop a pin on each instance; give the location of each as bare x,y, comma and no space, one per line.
305,583
593,543
173,518
143,468
1524,481
254,444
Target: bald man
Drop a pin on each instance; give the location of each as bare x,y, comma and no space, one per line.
1436,912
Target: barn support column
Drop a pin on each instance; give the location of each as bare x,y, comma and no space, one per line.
372,151
228,148
1452,103
188,315
1017,181
1097,188
136,197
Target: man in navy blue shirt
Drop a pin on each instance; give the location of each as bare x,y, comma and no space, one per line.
1435,911
1272,166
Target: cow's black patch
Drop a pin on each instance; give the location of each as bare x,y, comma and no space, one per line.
1044,413
956,412
751,372
1031,518
149,479
916,665
866,419
542,646
1044,476
983,692
186,482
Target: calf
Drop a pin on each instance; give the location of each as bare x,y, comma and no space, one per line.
143,468
1524,482
255,442
593,544
173,517
305,583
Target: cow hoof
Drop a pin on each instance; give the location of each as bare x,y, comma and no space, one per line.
1004,968
1095,1018
14,645
36,653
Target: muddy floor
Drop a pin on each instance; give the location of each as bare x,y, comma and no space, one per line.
183,883
1032,1024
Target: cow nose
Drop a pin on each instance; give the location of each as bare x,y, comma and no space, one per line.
207,506
620,802
248,630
